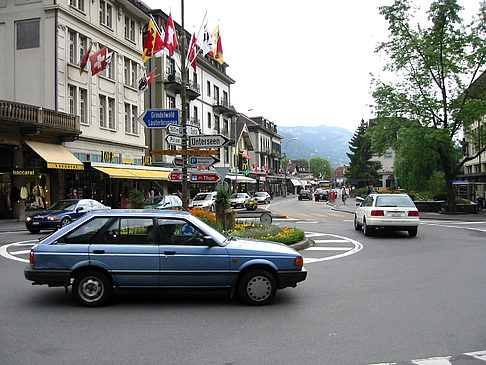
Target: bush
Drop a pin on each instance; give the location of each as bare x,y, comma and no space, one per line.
136,198
251,204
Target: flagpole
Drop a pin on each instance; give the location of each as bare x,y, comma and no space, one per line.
185,187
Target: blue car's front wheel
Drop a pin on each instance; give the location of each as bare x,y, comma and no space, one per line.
257,287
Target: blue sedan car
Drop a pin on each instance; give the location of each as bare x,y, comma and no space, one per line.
159,249
61,214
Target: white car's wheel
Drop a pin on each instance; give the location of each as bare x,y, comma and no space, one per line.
366,228
357,226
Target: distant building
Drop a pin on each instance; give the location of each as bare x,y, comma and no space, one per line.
339,178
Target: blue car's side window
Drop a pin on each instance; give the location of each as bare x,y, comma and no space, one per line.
131,231
85,232
179,232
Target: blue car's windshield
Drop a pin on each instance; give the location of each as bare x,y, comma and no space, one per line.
63,205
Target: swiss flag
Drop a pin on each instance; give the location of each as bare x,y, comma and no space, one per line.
170,39
193,52
100,60
150,77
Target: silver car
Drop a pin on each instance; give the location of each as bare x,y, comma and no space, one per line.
239,199
204,201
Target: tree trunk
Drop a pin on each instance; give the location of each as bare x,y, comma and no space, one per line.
449,178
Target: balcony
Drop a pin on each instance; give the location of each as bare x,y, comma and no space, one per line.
173,83
222,106
32,119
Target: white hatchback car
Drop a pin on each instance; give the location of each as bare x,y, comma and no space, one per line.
395,212
204,201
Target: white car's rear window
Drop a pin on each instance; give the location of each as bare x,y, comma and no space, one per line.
394,201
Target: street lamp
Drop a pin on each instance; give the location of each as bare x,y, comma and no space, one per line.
285,170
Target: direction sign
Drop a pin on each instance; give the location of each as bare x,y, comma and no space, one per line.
181,152
177,130
173,139
207,177
202,160
208,141
159,118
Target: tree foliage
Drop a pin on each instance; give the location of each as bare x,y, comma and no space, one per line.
362,171
321,168
435,64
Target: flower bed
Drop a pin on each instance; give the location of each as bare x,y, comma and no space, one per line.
284,234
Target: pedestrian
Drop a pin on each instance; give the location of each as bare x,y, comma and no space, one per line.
343,196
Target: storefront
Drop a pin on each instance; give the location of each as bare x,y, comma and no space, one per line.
241,183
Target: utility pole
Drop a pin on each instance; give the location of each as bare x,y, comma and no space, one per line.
185,187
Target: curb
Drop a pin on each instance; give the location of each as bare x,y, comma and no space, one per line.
302,245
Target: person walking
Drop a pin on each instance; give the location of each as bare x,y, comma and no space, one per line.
343,196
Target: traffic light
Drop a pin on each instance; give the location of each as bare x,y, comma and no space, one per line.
247,172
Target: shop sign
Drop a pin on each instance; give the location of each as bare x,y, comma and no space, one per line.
196,178
175,176
64,166
127,159
23,172
107,156
147,160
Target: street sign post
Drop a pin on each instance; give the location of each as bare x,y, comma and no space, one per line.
207,177
177,131
202,160
159,118
208,141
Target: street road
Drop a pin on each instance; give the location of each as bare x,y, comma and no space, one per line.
386,298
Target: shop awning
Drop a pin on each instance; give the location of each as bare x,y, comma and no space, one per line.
245,155
136,174
56,156
242,179
296,182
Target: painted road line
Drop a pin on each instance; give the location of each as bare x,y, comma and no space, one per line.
318,214
4,250
314,248
450,226
433,361
302,215
313,234
357,246
480,355
307,222
19,252
330,241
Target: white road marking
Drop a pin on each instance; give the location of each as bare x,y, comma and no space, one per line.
330,241
314,248
449,226
433,361
4,250
480,355
307,222
312,234
19,252
357,246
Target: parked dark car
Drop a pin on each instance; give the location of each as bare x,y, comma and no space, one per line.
163,249
321,194
61,214
305,194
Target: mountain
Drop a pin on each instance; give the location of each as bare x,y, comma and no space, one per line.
330,143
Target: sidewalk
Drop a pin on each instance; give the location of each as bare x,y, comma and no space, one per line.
11,225
350,207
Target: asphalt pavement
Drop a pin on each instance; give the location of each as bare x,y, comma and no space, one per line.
13,225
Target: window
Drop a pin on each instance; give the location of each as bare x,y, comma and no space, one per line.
86,232
72,99
216,93
132,231
171,103
209,120
28,34
208,88
106,11
216,123
129,28
78,4
73,46
179,232
131,119
170,68
78,102
107,112
77,47
130,72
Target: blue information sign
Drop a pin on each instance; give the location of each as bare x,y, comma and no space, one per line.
159,118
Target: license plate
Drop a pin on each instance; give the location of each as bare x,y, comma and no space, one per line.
396,214
35,223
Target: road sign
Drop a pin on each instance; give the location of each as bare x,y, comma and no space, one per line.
208,141
181,152
159,118
173,139
202,160
208,177
178,161
177,130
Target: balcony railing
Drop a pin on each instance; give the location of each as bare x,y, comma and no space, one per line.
173,82
38,116
223,106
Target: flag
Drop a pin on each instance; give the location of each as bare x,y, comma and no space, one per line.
84,62
193,52
217,47
100,60
280,170
153,44
206,44
170,39
144,81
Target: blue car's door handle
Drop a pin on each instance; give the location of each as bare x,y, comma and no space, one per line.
169,252
98,251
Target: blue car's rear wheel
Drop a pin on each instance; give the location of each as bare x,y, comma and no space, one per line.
92,288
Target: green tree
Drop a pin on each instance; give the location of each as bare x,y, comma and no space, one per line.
362,171
321,168
435,64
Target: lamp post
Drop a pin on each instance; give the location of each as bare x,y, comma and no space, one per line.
285,170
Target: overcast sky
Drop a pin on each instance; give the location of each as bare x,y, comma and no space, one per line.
297,63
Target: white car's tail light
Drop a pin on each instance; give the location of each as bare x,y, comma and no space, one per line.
377,213
413,213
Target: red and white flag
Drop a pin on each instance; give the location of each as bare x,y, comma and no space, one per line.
84,61
170,39
144,81
100,60
150,77
193,52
